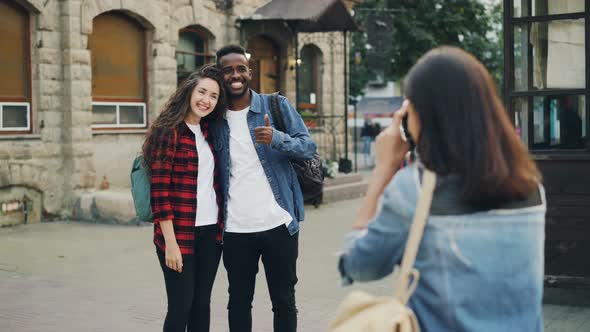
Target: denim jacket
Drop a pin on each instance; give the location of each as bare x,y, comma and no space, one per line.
275,158
480,270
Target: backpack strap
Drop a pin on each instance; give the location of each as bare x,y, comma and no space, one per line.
275,112
174,144
175,139
407,277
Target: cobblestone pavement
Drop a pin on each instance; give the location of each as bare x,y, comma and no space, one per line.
71,276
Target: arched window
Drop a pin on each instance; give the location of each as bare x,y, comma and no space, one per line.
117,46
15,86
192,51
310,78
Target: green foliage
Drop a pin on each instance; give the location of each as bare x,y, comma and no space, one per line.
420,25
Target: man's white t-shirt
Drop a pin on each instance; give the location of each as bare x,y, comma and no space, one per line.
251,204
207,208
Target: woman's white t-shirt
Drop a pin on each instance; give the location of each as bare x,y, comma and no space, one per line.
207,208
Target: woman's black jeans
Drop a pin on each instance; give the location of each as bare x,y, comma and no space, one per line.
189,292
241,253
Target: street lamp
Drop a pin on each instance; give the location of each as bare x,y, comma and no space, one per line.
354,101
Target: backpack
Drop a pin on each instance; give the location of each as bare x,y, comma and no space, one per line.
141,188
309,172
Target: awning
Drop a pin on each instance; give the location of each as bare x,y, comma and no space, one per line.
306,15
378,105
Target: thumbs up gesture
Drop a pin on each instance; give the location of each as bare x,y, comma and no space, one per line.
264,134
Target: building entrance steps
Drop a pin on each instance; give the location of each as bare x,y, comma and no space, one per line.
110,206
115,205
344,187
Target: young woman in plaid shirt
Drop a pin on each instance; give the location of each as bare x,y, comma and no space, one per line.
186,199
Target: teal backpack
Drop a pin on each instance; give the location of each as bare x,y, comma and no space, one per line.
141,188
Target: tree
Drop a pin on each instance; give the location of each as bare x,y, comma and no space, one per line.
418,26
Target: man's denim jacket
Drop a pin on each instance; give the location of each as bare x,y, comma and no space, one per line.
480,270
275,158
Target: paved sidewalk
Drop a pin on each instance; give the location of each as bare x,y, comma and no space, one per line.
71,276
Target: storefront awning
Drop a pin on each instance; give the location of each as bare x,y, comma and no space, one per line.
379,106
306,15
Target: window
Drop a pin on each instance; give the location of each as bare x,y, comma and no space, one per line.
309,92
14,116
559,122
546,7
107,115
520,109
15,96
547,63
520,57
192,52
309,77
558,54
553,7
117,46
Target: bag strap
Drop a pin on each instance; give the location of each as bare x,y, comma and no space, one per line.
402,287
175,139
173,153
275,112
174,143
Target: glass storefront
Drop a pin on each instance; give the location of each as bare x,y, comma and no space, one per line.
546,68
546,71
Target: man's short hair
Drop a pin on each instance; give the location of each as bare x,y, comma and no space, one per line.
225,50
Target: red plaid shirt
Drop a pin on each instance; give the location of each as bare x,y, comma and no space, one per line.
174,189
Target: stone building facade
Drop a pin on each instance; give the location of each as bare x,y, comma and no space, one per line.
59,147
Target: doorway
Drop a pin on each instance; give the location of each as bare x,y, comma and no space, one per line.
264,61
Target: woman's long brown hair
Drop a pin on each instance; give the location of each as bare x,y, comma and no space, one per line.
466,130
161,132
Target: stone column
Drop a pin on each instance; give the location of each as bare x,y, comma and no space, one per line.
79,171
45,170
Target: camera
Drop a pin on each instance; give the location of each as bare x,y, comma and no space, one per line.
406,136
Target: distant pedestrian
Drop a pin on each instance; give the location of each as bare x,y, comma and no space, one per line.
185,198
481,256
368,133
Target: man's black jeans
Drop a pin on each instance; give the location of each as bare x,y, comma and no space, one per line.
189,292
241,253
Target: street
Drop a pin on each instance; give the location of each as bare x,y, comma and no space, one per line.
73,276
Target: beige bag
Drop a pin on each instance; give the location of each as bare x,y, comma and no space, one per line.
362,312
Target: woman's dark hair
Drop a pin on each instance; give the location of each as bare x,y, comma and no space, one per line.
161,132
465,129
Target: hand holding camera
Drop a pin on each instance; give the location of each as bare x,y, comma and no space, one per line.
394,142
